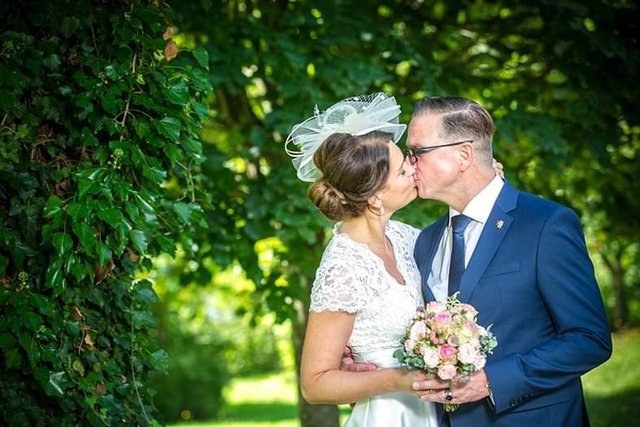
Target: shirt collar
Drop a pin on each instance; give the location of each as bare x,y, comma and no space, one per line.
479,208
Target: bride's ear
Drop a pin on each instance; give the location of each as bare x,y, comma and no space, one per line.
376,205
375,201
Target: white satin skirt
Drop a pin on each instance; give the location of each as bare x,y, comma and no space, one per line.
392,409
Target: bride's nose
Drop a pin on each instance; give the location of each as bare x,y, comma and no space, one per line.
410,168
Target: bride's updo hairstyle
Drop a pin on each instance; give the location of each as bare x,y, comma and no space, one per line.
353,169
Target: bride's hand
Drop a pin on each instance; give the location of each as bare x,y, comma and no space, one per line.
420,383
350,365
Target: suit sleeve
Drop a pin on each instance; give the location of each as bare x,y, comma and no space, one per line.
570,293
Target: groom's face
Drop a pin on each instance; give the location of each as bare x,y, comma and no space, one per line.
436,170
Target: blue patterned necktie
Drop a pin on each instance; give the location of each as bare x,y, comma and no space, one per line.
456,268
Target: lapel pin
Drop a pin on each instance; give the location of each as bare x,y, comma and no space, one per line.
499,224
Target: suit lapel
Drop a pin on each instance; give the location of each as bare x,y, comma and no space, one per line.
492,235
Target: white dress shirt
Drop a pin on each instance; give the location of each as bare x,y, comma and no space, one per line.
478,209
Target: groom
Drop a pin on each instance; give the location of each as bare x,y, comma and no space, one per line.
526,270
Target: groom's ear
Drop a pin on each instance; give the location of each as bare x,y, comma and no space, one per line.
466,156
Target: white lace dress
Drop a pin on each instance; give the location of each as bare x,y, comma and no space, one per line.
351,278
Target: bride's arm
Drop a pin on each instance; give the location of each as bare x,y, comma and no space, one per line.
321,379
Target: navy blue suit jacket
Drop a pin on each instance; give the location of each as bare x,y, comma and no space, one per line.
530,277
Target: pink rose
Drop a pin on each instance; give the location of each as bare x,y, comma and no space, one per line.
447,352
433,337
447,372
442,317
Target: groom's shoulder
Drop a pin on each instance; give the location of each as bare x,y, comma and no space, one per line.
539,205
530,199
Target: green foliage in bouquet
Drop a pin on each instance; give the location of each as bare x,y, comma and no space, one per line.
99,157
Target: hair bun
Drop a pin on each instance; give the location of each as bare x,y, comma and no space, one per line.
331,201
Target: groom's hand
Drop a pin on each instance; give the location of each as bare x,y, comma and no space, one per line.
471,391
459,392
348,364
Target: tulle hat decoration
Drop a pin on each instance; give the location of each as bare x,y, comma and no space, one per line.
357,116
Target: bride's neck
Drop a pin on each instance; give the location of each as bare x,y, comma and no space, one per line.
365,229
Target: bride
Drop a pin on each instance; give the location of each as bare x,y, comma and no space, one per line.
367,286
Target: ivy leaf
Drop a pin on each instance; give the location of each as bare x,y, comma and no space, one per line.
77,210
52,61
62,243
13,359
202,56
57,380
52,207
28,343
201,80
55,277
160,361
141,127
104,253
111,72
111,216
85,235
201,109
31,320
154,174
183,210
178,93
87,187
44,305
169,127
142,319
132,211
139,240
144,291
192,145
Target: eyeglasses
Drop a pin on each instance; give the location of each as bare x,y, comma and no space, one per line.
413,153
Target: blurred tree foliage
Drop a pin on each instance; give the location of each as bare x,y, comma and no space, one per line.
559,77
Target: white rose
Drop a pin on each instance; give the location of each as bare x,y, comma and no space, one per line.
418,331
467,353
431,357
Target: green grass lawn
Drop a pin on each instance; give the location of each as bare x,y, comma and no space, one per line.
612,391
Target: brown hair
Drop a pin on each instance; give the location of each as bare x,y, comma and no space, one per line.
353,169
462,118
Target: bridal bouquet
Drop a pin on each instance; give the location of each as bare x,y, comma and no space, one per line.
445,340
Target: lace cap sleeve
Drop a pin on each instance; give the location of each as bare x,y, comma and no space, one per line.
337,288
407,233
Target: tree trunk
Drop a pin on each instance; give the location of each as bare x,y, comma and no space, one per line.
620,308
620,312
310,415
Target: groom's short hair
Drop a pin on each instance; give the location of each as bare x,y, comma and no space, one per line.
461,118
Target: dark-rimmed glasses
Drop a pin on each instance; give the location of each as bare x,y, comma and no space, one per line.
413,153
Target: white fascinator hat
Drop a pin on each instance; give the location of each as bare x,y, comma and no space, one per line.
357,116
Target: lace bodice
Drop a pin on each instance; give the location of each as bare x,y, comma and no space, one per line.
352,278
